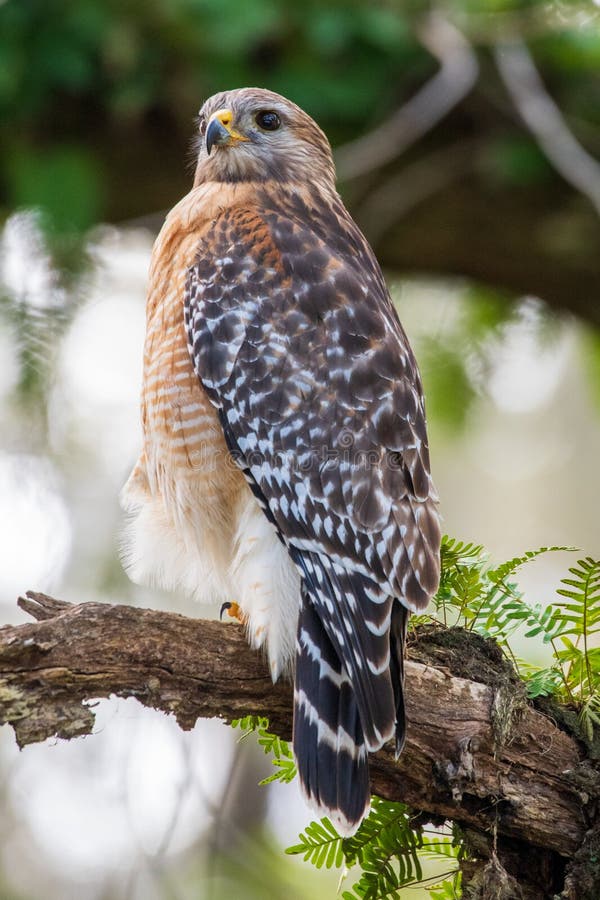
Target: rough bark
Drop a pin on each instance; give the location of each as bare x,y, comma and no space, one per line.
477,751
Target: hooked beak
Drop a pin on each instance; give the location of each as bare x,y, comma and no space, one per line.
220,132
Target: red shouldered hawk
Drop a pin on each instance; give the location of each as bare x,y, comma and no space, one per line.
285,462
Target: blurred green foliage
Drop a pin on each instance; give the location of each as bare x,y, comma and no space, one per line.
516,160
75,68
591,352
62,181
98,98
79,79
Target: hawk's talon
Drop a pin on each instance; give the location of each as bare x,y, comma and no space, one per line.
225,607
234,611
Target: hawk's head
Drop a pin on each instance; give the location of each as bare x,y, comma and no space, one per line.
257,135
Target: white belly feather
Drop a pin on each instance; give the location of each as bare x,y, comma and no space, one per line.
183,545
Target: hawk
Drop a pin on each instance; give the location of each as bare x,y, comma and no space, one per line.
285,462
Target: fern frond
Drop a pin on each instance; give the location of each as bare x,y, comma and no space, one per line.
249,724
271,743
493,606
384,817
432,848
320,844
483,597
460,581
540,682
450,889
283,758
508,568
380,879
286,771
500,613
589,715
459,553
582,614
386,847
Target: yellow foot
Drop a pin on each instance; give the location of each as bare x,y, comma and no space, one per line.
234,611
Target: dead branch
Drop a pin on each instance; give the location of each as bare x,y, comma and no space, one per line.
545,120
457,75
477,752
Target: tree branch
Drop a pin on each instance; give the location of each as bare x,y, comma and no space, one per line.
476,752
545,120
457,75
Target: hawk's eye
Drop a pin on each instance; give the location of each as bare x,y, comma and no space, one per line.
268,121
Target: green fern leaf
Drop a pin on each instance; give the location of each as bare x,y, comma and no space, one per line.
384,816
320,844
454,552
286,772
450,889
503,571
540,682
435,847
589,715
271,744
386,848
249,724
582,615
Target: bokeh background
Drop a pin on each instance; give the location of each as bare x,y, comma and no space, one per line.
467,137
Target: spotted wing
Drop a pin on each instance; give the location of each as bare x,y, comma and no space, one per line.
296,342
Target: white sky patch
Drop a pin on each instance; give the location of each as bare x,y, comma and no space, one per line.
139,784
288,813
35,530
97,393
175,780
101,363
525,370
25,266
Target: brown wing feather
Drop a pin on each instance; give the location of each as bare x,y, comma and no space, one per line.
295,338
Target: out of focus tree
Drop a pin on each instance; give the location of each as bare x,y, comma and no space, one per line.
466,129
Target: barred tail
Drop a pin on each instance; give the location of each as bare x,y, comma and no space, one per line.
329,744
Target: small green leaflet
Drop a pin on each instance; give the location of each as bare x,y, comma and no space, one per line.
283,758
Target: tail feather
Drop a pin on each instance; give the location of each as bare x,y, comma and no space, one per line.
348,697
328,741
355,613
398,626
